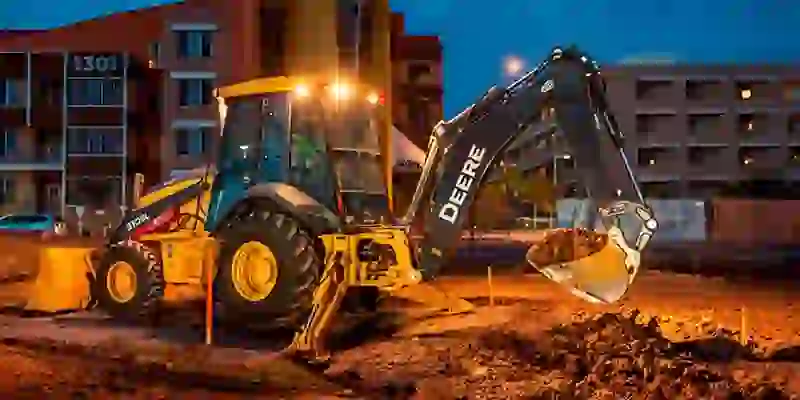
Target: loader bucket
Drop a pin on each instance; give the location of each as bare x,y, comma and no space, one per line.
44,274
590,264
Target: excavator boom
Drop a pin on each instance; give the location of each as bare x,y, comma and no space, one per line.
462,151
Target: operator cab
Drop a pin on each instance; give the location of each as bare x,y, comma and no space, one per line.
320,138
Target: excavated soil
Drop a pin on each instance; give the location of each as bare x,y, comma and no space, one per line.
609,356
543,346
565,245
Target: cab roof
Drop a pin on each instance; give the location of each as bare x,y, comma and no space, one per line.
274,84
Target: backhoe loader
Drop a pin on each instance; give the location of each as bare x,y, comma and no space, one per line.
295,213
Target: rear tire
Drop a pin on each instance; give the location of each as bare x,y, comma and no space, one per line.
147,275
289,301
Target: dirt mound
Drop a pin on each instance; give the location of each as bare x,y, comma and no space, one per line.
43,367
615,355
611,356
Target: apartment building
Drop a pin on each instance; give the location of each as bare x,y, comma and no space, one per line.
417,82
65,121
699,130
84,106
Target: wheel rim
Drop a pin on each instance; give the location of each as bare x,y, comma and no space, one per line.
121,282
254,271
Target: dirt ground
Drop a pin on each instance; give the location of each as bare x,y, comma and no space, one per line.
672,337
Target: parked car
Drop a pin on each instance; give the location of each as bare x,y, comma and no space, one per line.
33,223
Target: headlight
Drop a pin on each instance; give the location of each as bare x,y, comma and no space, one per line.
302,91
341,91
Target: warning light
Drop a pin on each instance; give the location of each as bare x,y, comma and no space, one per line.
373,98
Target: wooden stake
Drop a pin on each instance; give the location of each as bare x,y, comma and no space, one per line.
743,336
491,287
209,306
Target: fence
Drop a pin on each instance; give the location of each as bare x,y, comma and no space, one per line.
678,220
760,222
726,220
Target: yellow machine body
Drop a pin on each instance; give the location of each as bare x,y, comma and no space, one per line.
392,271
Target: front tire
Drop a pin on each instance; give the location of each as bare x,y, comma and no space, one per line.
129,281
284,268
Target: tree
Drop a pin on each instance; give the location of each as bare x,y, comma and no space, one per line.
491,206
535,188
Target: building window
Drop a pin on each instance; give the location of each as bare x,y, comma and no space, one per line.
194,44
192,141
95,91
154,52
10,95
95,140
651,90
53,193
94,191
6,190
793,125
417,71
8,143
794,156
195,92
791,92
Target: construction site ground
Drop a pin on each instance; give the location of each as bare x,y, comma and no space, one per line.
536,341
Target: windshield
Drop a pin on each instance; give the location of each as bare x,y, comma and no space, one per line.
355,146
334,147
309,166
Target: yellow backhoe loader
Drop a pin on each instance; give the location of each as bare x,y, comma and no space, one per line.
295,214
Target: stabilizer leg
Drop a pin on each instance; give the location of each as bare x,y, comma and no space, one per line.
309,342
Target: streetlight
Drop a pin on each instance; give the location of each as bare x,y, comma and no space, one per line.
513,65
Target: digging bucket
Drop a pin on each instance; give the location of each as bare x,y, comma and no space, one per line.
587,263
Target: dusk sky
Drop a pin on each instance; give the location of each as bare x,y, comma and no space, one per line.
478,34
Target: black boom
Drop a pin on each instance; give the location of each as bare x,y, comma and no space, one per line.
462,150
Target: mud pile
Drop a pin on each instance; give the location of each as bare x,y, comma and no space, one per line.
614,355
610,356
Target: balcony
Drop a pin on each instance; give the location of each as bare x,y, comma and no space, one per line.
760,130
658,165
711,164
793,164
707,129
31,161
658,130
705,93
657,95
761,162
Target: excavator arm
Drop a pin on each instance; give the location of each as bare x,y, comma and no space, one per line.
462,151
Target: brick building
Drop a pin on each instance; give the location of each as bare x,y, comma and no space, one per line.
417,78
84,106
696,131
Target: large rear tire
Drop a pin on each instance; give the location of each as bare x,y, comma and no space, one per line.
129,281
268,268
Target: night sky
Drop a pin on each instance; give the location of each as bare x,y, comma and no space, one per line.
478,34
